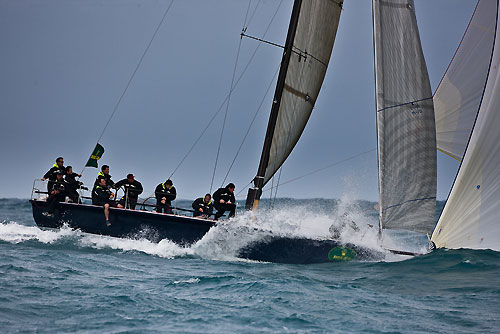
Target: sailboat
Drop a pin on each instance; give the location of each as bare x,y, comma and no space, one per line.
406,134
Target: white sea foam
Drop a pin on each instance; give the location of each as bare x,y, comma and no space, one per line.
16,233
165,248
188,281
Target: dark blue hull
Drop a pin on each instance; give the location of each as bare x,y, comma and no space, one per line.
279,249
124,223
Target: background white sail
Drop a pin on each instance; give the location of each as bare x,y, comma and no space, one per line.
457,98
471,217
405,120
313,43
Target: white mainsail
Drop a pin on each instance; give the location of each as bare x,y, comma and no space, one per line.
405,120
471,218
458,96
316,29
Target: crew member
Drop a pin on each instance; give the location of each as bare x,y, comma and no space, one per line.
104,173
224,201
165,193
51,174
203,206
73,184
102,196
57,193
132,189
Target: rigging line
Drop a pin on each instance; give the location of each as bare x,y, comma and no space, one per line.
236,83
134,72
227,105
326,167
136,68
246,14
253,13
244,188
277,185
251,124
271,194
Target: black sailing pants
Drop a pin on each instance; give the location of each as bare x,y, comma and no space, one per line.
221,208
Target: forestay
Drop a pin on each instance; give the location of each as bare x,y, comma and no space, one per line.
470,218
405,120
458,96
312,46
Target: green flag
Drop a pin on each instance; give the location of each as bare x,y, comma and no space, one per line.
96,155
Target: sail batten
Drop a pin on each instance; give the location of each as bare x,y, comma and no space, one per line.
302,72
405,120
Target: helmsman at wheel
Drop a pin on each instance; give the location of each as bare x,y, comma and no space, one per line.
132,189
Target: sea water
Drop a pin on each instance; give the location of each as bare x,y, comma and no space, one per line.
64,281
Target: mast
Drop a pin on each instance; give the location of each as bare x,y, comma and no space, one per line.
254,193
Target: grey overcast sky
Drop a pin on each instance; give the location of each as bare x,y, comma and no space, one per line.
65,63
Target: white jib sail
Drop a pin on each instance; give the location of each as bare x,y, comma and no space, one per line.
313,43
405,120
457,98
471,218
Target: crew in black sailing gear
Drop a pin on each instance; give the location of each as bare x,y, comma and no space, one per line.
102,196
132,190
73,184
165,193
224,200
57,193
51,174
203,206
104,174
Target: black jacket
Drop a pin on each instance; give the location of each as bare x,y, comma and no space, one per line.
70,179
59,185
162,191
101,195
133,189
199,203
224,194
51,174
109,182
